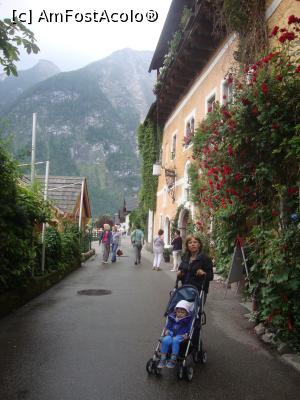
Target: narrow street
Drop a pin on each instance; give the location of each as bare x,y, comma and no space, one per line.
66,346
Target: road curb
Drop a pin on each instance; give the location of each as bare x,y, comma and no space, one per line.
292,360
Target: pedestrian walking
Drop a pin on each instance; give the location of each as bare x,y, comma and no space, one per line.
158,249
176,251
137,241
106,240
116,242
99,234
196,268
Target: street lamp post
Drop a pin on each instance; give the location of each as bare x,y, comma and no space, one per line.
33,147
81,204
44,225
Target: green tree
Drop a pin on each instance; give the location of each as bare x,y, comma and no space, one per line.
21,212
104,219
12,35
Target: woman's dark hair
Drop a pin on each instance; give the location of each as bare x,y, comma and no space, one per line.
187,241
178,232
160,232
138,226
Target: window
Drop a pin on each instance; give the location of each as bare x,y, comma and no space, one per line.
186,184
189,131
165,197
161,221
166,154
173,148
210,103
226,91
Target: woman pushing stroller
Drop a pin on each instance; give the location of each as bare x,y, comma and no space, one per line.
182,334
196,268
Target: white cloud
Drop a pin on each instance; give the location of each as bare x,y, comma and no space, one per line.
72,45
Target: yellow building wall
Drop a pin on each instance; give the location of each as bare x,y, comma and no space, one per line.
194,103
283,11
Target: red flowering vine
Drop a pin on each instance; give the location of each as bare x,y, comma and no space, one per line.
249,153
287,36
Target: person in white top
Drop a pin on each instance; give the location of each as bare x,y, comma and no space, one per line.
158,249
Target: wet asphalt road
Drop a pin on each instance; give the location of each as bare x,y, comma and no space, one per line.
65,346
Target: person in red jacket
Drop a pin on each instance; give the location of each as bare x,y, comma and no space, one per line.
106,240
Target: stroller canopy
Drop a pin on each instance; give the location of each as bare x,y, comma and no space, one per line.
187,292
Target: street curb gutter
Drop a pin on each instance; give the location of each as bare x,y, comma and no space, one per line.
262,333
87,255
292,360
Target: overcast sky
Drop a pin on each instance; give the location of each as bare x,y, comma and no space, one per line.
71,45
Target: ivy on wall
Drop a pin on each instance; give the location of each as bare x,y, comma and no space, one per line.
148,144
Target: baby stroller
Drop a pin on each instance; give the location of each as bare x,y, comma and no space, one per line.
192,348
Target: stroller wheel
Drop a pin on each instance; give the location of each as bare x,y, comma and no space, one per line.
149,366
197,357
180,372
157,371
204,357
189,373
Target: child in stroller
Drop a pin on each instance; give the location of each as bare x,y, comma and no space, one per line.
189,344
176,331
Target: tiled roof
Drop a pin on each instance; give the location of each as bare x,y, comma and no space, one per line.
65,198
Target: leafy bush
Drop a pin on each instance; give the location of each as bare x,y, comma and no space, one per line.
20,211
70,246
53,248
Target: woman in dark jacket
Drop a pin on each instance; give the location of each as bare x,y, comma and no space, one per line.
195,268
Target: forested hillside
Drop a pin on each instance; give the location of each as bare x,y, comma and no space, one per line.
86,124
11,87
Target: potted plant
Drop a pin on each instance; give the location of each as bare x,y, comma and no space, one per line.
167,254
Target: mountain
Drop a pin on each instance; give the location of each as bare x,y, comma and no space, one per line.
87,121
12,86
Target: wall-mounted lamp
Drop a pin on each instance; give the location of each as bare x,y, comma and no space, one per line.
156,169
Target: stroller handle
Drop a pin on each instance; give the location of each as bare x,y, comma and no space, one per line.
203,281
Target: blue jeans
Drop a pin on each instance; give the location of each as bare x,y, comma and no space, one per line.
168,341
114,248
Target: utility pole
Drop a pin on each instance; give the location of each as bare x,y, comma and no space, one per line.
33,148
44,225
81,204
